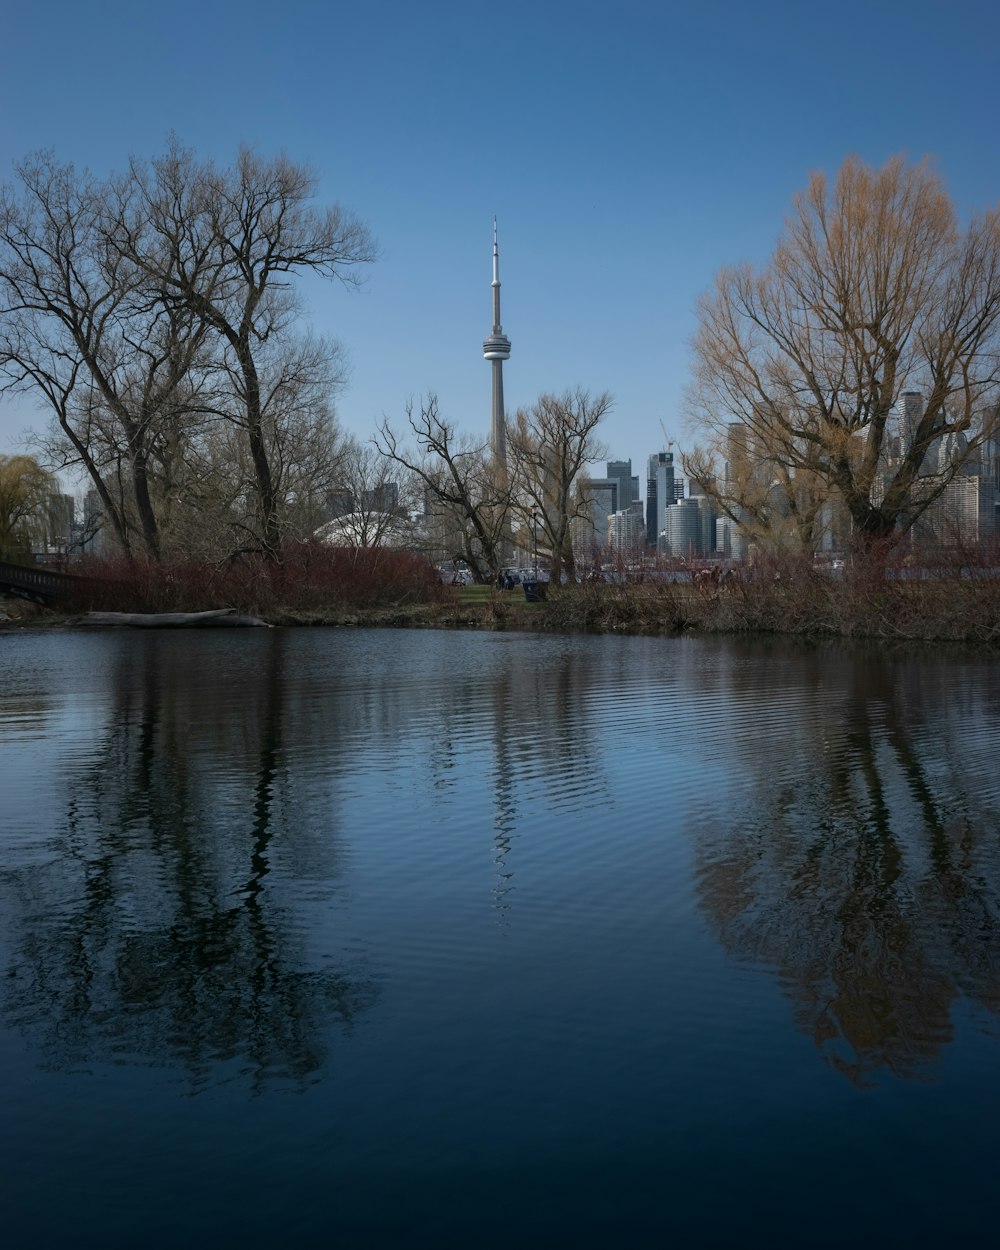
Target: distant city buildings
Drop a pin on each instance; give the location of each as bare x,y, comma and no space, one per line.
953,518
986,465
93,539
661,493
617,521
620,471
384,497
624,522
964,512
625,531
602,494
689,530
965,506
61,522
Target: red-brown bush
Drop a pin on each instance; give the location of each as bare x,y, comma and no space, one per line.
310,578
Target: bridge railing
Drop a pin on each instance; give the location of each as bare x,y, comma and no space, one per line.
41,583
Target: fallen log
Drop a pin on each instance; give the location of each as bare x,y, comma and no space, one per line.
175,620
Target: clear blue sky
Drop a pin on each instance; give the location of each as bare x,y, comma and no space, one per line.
629,148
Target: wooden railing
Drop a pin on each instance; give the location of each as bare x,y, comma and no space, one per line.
23,579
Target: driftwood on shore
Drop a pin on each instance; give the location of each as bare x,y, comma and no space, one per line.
174,620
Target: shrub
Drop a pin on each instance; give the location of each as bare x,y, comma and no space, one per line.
311,577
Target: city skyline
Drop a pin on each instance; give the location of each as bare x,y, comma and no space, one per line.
628,150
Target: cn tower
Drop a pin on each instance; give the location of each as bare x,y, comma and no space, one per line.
496,350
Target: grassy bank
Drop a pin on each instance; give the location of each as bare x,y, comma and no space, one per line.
853,606
930,609
317,586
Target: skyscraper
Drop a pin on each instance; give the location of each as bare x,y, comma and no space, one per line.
590,531
910,409
661,492
987,469
496,350
620,471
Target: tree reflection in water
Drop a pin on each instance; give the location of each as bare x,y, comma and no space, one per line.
152,937
867,868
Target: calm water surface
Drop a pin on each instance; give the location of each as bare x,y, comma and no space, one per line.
324,938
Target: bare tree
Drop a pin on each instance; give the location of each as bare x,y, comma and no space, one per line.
145,307
298,380
80,324
471,497
224,245
872,292
371,500
550,445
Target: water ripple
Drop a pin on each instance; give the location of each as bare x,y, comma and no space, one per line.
591,907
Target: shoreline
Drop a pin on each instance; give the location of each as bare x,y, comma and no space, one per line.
933,611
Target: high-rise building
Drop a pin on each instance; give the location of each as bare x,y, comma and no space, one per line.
93,537
625,532
987,471
61,517
661,492
496,349
681,532
910,410
966,511
689,528
339,502
602,500
620,471
695,488
381,498
605,490
730,539
953,518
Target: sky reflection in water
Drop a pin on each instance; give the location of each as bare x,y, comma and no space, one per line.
347,933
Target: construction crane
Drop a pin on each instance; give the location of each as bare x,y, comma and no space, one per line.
667,440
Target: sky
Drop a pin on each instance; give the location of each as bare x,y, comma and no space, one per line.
628,148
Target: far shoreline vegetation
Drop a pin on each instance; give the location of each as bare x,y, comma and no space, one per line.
928,600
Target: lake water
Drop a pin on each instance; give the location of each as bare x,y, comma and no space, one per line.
392,938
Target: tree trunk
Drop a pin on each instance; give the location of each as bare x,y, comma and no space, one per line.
112,512
143,503
266,496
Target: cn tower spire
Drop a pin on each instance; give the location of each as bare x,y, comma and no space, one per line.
496,350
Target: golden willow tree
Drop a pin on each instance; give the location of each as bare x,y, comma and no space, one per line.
26,491
874,291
